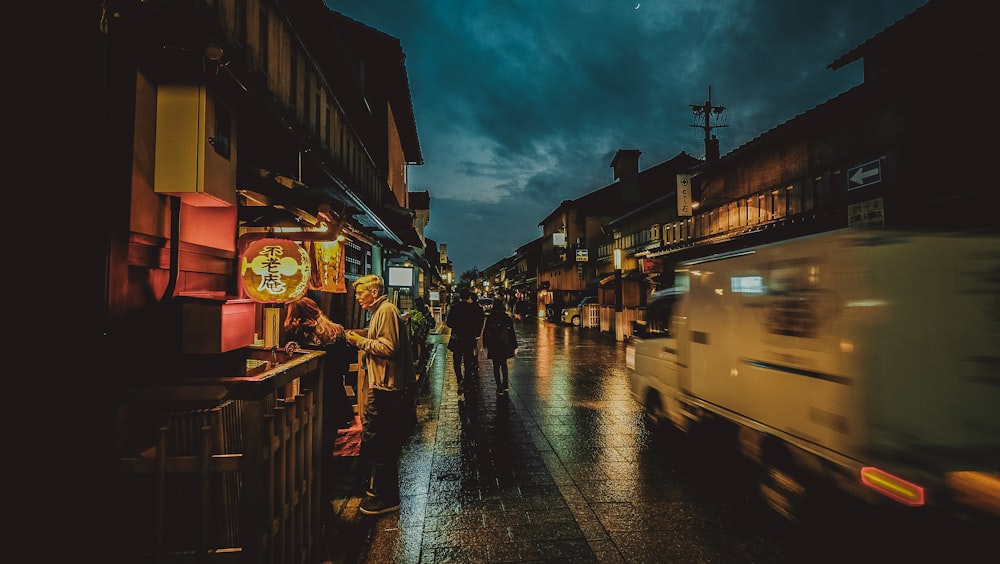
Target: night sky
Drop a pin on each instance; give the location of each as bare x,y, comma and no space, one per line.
521,104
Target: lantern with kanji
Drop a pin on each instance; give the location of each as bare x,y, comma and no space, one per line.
274,270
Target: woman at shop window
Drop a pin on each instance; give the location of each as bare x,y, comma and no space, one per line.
307,325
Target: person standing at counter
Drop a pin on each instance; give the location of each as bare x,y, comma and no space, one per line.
307,325
389,369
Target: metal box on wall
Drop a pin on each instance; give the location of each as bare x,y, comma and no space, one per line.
216,324
195,147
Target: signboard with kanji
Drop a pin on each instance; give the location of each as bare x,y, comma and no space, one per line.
274,270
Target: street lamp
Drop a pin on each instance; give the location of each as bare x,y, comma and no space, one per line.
619,315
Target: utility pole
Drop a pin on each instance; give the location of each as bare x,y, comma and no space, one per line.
707,110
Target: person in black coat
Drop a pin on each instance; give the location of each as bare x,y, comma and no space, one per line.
500,341
466,322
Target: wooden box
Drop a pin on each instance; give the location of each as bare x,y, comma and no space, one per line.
212,325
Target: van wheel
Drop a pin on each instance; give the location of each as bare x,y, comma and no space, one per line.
576,321
658,422
783,489
653,412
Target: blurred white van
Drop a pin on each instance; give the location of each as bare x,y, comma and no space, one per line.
865,360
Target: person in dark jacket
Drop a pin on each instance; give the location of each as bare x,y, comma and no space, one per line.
500,341
466,322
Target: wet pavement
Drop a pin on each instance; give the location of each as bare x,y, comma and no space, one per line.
553,471
562,469
491,479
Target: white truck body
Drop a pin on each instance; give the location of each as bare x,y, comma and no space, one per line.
869,360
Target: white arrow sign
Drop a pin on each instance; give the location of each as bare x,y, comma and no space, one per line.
868,173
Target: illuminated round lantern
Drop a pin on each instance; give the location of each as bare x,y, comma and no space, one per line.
274,270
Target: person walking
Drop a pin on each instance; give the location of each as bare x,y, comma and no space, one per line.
466,322
500,341
389,371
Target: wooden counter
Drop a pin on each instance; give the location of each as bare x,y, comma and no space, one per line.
233,473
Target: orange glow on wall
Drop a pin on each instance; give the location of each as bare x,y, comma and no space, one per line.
274,270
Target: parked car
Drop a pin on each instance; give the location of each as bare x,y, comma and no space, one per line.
572,315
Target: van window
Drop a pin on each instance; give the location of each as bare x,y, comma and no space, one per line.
658,314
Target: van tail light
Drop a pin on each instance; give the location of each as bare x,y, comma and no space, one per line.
893,487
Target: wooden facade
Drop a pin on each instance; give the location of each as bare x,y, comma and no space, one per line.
274,97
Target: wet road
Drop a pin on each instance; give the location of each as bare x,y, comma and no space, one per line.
563,469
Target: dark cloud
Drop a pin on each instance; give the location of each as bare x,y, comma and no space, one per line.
521,104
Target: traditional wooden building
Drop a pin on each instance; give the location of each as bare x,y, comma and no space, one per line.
576,247
228,122
892,152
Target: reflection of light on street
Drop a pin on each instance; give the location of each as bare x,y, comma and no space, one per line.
585,410
618,432
544,354
846,346
547,374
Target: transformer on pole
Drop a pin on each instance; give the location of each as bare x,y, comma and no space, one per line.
707,111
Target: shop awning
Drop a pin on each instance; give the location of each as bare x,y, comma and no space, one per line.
275,199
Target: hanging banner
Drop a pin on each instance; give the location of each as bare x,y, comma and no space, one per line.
328,266
651,265
683,195
274,270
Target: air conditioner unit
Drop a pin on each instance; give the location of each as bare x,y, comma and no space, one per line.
195,147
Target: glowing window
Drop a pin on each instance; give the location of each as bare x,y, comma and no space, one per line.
747,284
